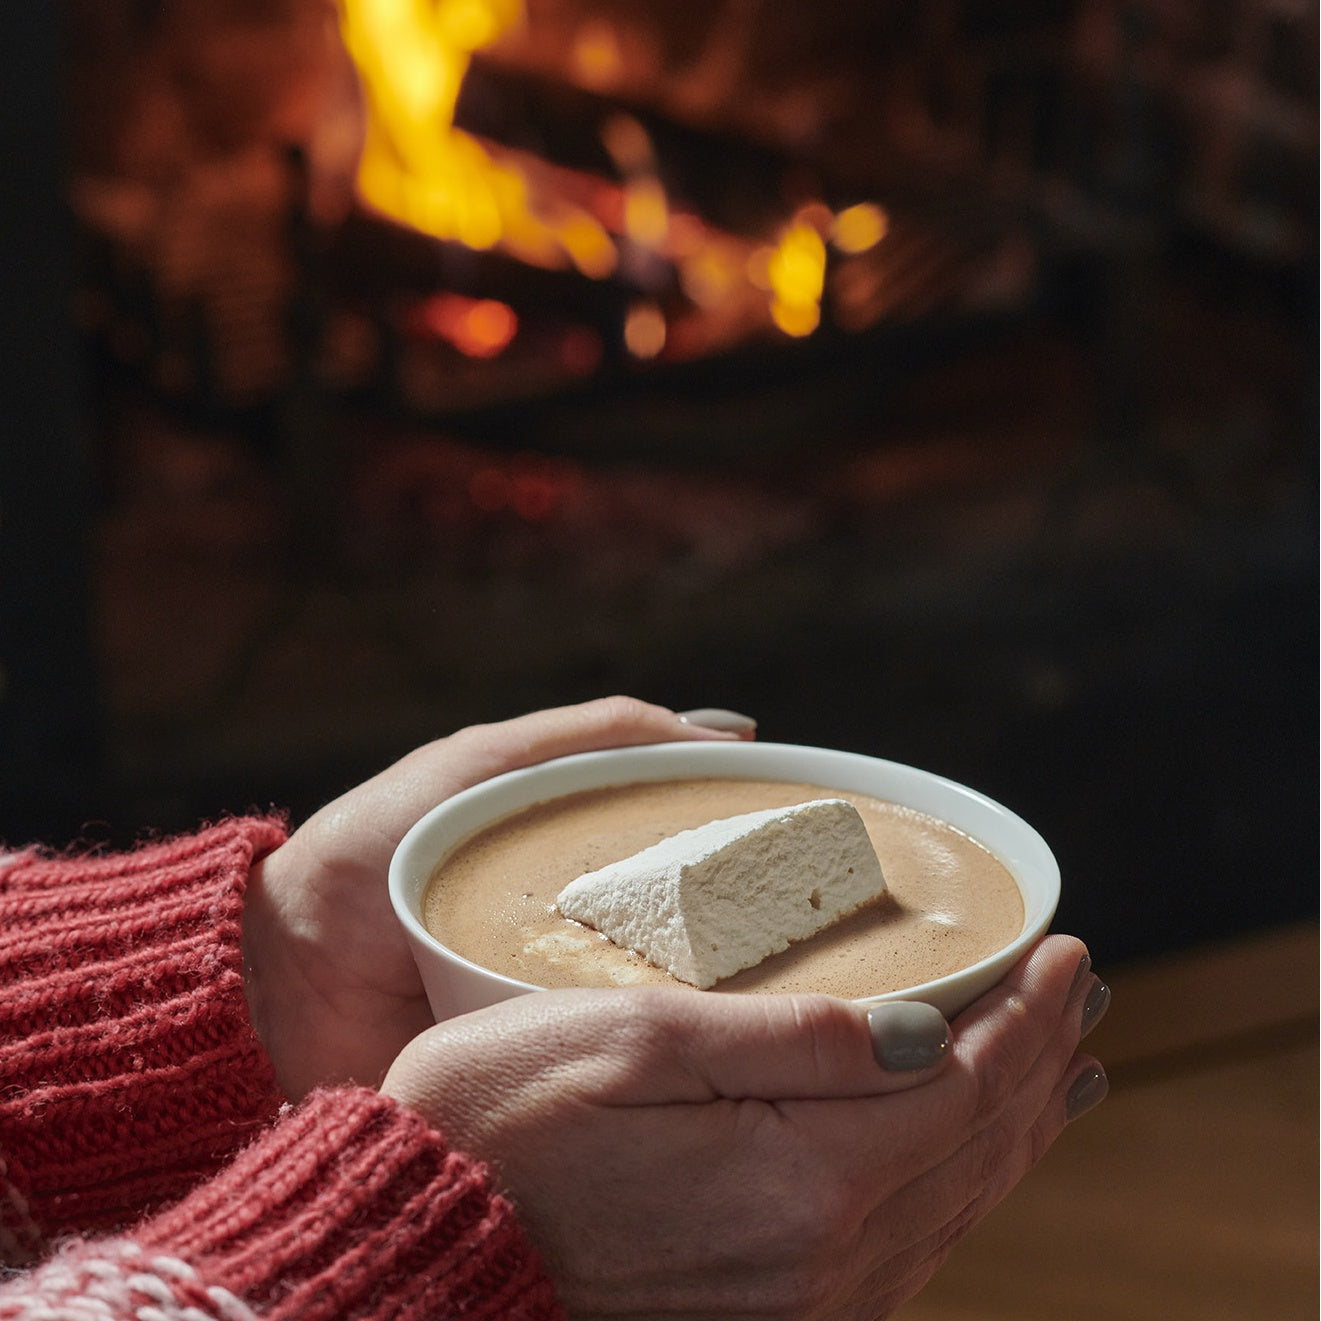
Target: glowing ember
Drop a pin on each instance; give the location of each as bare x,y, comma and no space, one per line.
478,327
419,169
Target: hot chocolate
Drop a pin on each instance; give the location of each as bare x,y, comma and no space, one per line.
950,901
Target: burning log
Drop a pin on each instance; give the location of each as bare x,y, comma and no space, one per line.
732,182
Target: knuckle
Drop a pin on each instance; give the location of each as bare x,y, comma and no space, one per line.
618,711
643,1024
1006,1153
823,1027
1040,1138
999,1073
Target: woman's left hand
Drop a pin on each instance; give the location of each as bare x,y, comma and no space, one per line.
333,990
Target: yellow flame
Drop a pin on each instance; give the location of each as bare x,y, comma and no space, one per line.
422,171
796,319
796,272
417,168
857,228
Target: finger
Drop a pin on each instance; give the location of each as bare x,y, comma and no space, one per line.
959,1191
701,1046
1000,1038
1047,976
1058,1086
657,1046
654,1046
607,722
398,795
909,1261
996,1045
818,1047
481,751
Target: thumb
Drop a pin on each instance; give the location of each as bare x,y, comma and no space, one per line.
652,1046
782,1047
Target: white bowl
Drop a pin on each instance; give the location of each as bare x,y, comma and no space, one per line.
455,985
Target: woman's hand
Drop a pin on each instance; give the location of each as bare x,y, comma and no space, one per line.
332,987
701,1156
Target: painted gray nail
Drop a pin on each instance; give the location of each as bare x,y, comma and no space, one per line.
1084,967
714,717
1089,1089
907,1035
1094,1007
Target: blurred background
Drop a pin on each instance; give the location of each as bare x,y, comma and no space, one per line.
935,380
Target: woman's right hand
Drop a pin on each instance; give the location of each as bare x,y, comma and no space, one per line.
702,1156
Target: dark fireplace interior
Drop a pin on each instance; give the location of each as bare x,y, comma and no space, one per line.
946,392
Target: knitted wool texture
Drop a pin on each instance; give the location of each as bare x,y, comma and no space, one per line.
128,1065
377,1220
129,1073
349,1208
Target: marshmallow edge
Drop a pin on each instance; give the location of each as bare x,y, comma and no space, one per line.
709,902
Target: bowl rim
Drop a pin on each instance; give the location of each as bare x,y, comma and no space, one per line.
455,819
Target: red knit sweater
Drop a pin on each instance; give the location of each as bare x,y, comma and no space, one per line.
149,1164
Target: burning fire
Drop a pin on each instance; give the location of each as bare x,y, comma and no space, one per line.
797,274
421,170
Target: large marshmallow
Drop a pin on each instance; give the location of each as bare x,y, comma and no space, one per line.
709,902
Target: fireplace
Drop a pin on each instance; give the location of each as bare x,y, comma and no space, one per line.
494,216
865,366
544,225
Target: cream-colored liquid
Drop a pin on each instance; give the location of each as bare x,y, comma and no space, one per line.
950,901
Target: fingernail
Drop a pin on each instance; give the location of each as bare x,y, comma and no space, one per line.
1084,967
1089,1089
907,1035
1094,1007
714,717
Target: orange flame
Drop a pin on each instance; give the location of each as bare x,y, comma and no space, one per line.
419,169
477,327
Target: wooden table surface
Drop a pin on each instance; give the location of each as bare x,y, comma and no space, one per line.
1191,1192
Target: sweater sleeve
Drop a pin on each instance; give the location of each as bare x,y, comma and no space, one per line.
129,1069
349,1208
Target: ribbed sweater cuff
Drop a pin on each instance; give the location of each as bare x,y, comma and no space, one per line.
353,1207
128,1064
